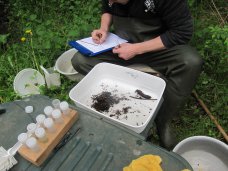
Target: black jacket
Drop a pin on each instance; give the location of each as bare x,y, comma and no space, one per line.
174,15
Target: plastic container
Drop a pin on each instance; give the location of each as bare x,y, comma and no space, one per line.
64,107
56,103
121,82
41,134
49,125
27,82
32,144
48,111
31,128
22,138
63,64
57,116
40,119
52,77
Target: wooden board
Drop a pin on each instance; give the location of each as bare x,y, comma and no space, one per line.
54,138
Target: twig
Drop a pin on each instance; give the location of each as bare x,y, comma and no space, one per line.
223,22
221,130
140,98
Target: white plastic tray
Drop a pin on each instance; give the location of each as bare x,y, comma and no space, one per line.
121,82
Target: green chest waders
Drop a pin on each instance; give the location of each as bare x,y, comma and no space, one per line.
179,80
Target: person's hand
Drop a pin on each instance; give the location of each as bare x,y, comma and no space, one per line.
125,51
99,36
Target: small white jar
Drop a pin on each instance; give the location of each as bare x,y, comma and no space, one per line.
41,134
64,107
22,138
32,144
49,125
40,119
56,103
31,128
48,110
57,116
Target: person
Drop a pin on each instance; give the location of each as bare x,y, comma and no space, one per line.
157,32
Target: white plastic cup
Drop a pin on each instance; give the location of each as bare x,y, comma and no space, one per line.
31,128
56,103
49,124
40,119
22,138
64,107
57,116
32,144
41,134
48,110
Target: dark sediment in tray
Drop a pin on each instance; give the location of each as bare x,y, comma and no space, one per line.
103,101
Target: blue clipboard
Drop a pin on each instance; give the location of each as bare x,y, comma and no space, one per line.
83,50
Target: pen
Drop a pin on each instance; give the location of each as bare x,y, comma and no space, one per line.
99,35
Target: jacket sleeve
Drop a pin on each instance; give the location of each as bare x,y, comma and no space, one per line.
105,8
177,20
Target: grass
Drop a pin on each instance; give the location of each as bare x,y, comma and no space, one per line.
54,23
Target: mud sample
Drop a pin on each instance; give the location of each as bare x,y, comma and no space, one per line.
103,101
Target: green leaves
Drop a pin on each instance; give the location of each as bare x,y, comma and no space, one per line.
3,38
32,17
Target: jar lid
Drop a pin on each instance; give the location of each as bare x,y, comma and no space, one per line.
40,118
64,105
31,142
40,132
48,122
22,137
28,109
56,103
31,127
56,114
48,110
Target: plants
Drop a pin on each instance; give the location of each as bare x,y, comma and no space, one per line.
210,39
53,23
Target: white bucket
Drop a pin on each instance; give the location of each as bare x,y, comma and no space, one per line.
64,66
27,82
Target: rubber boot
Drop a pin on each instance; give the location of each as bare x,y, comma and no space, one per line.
169,110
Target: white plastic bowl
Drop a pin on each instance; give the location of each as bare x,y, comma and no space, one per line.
27,82
204,153
64,66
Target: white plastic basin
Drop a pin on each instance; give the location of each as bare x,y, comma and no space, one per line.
121,82
27,82
64,66
204,153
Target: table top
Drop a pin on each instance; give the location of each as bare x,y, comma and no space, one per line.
91,144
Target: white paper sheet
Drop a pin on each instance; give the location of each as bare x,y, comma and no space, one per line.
111,41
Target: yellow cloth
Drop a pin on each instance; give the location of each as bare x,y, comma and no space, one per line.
145,163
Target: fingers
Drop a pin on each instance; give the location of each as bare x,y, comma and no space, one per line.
95,37
98,36
116,50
